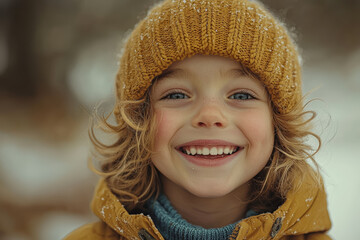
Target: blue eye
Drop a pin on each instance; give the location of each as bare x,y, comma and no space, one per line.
175,95
241,96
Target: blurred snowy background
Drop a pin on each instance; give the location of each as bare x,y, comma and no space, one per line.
58,59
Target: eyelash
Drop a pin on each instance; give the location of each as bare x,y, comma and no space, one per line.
247,95
168,96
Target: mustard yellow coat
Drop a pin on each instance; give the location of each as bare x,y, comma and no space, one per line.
303,215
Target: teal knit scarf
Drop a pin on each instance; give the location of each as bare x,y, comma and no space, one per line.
172,226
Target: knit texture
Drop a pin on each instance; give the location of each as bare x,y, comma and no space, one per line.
172,226
239,29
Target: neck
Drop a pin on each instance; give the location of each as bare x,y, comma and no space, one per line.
212,212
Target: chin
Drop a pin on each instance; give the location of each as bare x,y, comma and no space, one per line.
210,191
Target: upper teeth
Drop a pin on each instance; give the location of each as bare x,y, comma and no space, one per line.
192,150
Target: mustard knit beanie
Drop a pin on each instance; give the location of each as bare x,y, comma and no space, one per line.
242,30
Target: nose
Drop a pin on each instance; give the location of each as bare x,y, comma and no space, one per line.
210,115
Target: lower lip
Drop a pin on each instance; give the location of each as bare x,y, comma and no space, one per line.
210,162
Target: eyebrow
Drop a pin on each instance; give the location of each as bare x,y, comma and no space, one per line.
235,72
171,73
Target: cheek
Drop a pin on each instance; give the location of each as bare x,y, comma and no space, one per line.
165,126
259,130
262,130
161,123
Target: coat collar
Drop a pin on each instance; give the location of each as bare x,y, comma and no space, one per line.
108,208
304,211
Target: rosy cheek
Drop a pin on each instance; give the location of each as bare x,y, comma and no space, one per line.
259,128
161,123
164,124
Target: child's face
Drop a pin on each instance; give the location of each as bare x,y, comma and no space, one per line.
206,108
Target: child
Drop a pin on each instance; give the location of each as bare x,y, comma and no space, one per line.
210,131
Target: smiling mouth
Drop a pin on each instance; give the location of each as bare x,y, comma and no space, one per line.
209,151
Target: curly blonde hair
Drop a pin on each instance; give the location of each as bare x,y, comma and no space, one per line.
126,163
290,161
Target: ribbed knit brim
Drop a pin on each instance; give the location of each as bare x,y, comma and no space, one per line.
241,30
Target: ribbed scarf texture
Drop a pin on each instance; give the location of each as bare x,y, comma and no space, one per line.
172,226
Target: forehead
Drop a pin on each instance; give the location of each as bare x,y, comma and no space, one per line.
210,71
